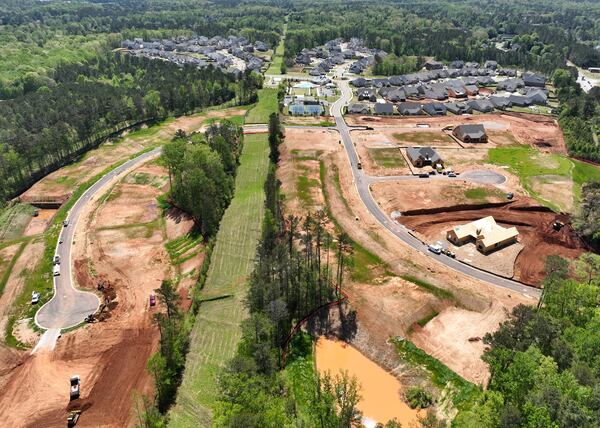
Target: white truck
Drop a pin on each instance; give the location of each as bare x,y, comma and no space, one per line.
56,270
435,248
75,383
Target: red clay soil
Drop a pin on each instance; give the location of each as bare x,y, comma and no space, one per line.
533,222
119,375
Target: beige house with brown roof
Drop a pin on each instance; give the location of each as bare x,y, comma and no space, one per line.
487,235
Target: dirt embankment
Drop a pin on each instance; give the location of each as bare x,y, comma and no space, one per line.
533,222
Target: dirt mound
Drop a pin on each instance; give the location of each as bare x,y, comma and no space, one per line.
535,226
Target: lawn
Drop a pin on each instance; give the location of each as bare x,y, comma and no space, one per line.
424,137
267,104
526,162
387,158
216,332
481,194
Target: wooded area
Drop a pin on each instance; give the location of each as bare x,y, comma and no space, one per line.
544,361
44,130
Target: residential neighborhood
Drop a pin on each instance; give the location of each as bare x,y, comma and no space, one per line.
232,55
465,89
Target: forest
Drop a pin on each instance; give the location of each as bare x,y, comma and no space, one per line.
48,128
36,37
201,172
544,360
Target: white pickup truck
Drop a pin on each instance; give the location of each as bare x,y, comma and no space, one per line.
75,382
56,270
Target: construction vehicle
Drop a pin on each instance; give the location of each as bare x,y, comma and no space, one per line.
75,385
73,418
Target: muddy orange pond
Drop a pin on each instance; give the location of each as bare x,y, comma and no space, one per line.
380,391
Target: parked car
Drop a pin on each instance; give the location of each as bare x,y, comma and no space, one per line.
449,253
65,223
435,248
424,175
56,259
35,297
451,174
152,299
432,172
56,270
358,165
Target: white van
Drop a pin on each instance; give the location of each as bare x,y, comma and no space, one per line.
56,270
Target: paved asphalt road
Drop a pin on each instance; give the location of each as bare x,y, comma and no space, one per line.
69,306
362,185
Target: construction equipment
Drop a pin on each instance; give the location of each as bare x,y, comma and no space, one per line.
75,385
73,418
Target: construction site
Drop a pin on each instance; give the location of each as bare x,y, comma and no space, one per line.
124,245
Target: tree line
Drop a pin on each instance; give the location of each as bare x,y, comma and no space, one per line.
579,115
544,364
46,129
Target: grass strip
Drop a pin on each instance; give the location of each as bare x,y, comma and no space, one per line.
436,291
463,393
366,266
267,104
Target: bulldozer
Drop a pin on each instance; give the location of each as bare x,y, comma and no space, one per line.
73,418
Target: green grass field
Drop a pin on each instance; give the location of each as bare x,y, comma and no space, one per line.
481,194
387,158
267,104
216,332
527,163
13,220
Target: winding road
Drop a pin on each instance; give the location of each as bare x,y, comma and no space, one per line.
69,306
363,182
